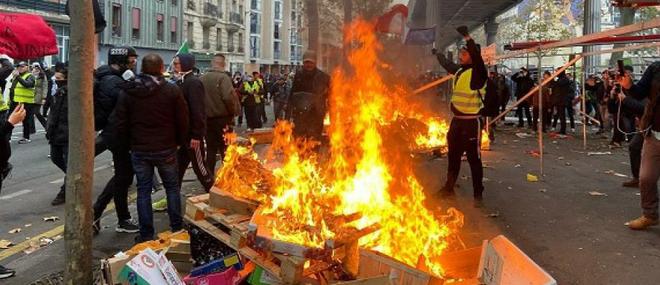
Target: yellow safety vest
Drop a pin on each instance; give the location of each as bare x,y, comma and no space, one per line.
3,105
23,94
464,99
253,89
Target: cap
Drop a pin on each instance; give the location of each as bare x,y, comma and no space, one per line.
120,55
22,63
36,64
309,56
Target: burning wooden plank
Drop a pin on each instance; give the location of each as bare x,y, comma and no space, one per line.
220,199
261,136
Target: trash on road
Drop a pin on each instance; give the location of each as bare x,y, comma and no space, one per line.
51,218
15,231
532,178
523,135
493,215
5,244
560,158
36,245
612,172
596,193
27,225
543,190
592,153
534,153
517,166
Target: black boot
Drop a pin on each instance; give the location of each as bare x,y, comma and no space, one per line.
59,199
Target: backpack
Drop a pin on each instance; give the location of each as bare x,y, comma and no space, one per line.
490,100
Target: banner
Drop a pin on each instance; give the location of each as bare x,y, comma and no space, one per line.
419,36
25,36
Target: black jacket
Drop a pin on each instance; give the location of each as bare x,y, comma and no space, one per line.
479,71
5,70
193,92
57,131
151,115
107,86
649,87
523,84
5,147
563,91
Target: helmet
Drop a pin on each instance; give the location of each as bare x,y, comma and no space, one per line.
120,55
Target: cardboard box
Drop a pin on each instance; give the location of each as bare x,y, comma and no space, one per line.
227,277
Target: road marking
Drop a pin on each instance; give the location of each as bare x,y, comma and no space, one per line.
58,181
52,233
15,194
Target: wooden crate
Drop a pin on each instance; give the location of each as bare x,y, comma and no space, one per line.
261,136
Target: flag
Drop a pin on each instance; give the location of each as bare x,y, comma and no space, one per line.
393,21
25,36
419,36
184,48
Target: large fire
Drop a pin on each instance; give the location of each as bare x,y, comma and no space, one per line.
367,172
436,136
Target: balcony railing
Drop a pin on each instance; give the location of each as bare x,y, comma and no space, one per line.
211,10
56,6
236,18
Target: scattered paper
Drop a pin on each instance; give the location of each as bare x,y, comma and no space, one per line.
510,188
567,164
612,172
560,158
523,135
51,219
596,193
532,178
554,142
638,194
543,190
486,179
15,231
517,166
5,244
493,215
36,245
592,153
28,225
534,153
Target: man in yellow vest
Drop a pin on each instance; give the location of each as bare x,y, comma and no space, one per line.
466,102
22,91
251,99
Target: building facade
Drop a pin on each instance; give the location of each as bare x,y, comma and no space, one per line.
275,41
53,12
216,26
150,26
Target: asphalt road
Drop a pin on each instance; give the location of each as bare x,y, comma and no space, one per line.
576,237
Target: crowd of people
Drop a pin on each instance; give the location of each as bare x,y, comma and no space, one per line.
154,120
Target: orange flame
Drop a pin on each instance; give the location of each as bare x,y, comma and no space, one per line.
365,174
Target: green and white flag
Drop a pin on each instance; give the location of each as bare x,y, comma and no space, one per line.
184,48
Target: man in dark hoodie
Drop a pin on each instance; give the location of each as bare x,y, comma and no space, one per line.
57,131
193,150
465,130
308,99
109,84
152,118
524,83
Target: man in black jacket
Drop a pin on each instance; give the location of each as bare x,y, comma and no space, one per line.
308,100
563,91
152,118
193,150
464,134
109,84
524,83
57,130
6,126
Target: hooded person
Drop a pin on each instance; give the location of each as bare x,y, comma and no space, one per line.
193,150
151,117
308,99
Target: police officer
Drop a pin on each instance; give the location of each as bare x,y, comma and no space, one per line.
111,80
22,91
308,99
464,132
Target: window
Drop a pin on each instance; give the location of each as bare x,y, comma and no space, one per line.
206,31
277,52
173,30
255,42
240,42
230,42
278,10
255,23
218,40
174,2
189,35
135,15
276,30
255,4
116,20
160,28
293,52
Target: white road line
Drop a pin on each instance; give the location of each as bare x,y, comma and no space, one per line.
15,194
58,181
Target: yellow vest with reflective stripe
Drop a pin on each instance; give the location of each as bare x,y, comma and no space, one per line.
254,88
3,104
464,99
23,94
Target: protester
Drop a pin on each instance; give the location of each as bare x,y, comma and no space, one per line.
281,92
221,107
22,92
194,150
6,69
503,92
562,96
6,126
308,99
647,87
546,93
152,118
524,83
250,99
57,131
42,87
110,83
465,129
596,86
237,82
261,104
636,107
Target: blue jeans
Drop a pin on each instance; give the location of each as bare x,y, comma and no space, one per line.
166,163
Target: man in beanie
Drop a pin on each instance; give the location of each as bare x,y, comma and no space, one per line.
193,92
308,99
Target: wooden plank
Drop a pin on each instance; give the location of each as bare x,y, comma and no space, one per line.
378,280
195,210
221,199
400,273
463,264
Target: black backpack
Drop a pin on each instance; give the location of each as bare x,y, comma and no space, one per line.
490,100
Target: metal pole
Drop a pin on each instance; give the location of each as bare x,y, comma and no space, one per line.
540,112
584,106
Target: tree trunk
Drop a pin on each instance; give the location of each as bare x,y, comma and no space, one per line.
627,18
78,221
312,9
